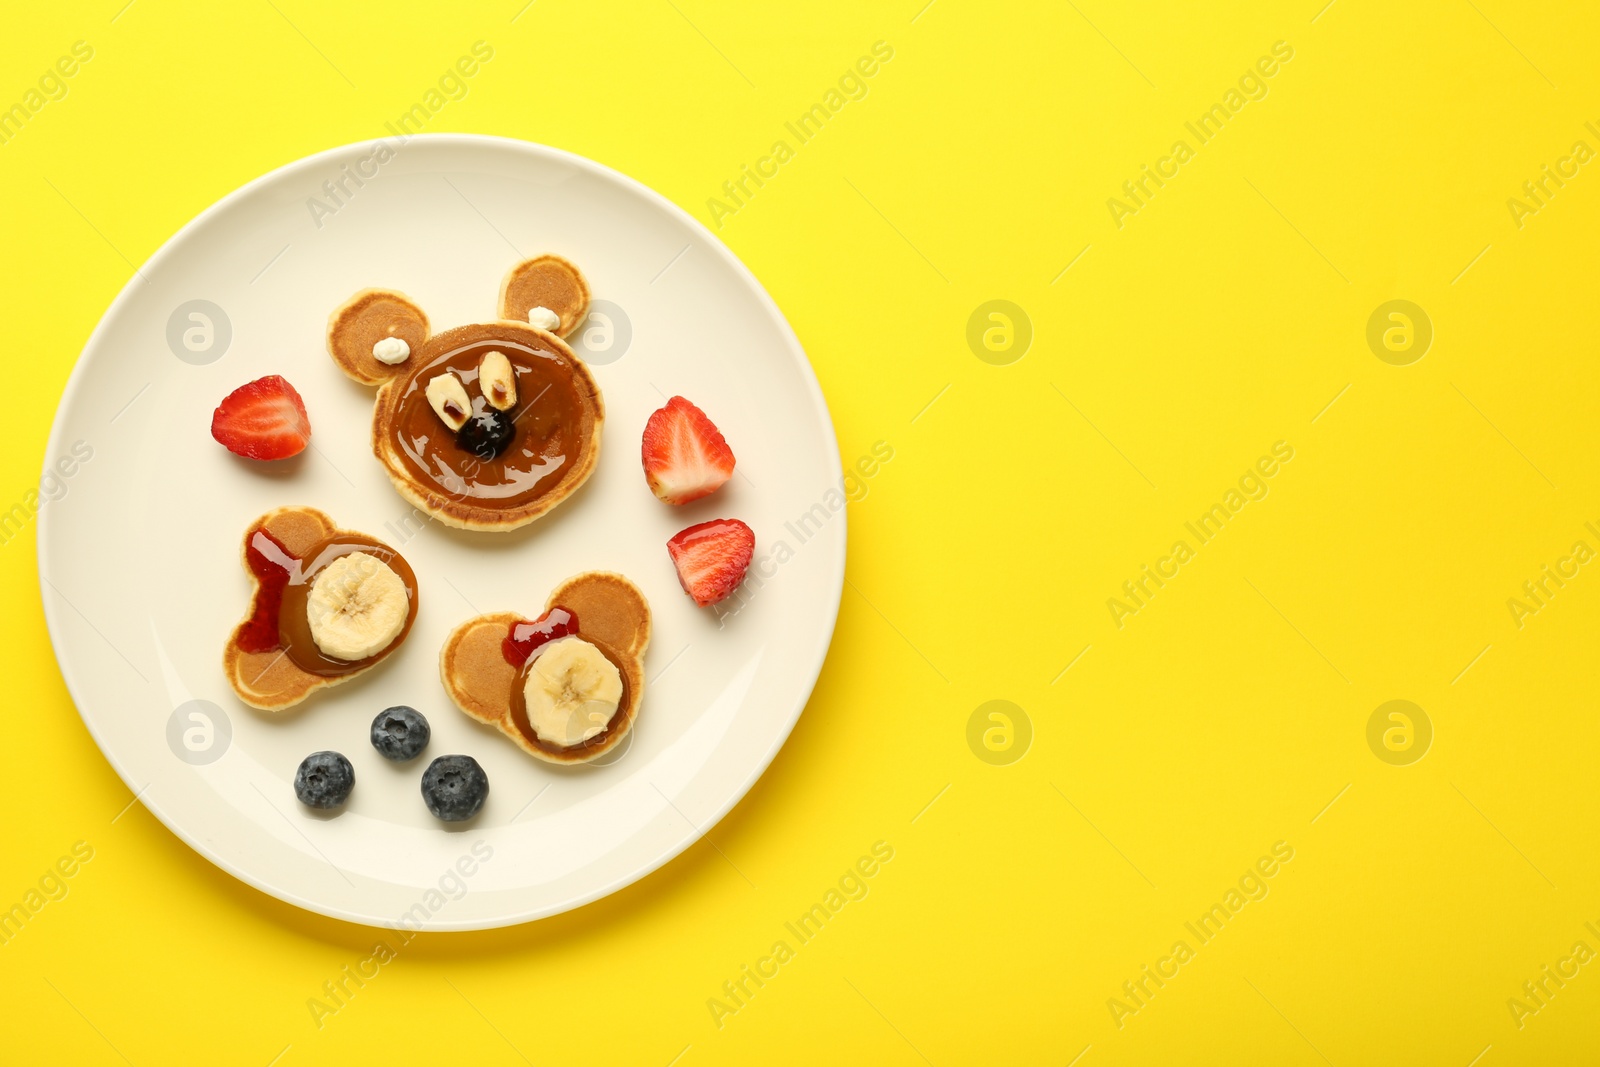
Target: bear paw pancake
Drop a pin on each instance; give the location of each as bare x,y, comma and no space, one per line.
328,604
567,686
486,426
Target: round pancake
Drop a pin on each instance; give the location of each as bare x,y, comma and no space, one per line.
463,512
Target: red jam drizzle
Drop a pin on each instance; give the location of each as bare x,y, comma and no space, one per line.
273,567
526,638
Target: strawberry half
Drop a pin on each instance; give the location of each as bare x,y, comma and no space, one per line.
265,419
712,557
685,456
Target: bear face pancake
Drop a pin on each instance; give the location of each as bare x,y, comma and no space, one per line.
486,426
490,664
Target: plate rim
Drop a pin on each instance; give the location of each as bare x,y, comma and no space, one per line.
596,169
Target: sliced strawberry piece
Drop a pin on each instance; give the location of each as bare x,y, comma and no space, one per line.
265,419
685,456
712,557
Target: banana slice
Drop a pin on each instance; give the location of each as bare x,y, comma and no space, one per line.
448,398
497,381
356,607
572,691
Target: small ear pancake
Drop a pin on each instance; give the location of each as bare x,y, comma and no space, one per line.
363,321
474,669
610,609
548,282
296,528
269,681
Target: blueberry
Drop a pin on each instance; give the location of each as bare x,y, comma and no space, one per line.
399,733
454,787
324,780
486,433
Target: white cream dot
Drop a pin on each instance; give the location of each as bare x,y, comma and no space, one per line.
391,350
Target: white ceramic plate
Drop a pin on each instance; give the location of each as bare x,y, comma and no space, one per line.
139,550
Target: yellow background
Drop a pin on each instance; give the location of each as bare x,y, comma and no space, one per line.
1222,718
